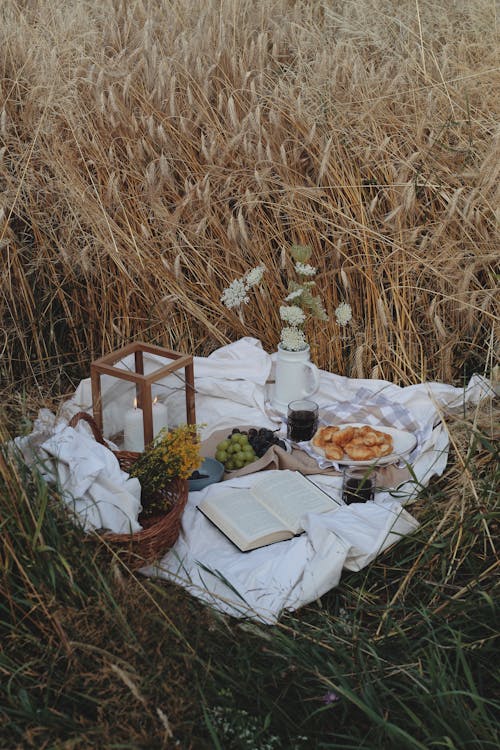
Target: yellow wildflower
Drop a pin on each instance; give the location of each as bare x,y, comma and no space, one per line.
174,454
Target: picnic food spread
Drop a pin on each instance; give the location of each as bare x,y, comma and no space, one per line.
358,443
281,577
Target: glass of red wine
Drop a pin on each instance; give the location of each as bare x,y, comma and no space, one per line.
302,421
358,485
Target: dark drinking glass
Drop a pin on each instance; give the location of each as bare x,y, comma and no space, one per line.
357,486
302,420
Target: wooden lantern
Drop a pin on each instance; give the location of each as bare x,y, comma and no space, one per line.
106,366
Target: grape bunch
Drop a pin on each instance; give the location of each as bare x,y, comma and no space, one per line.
261,440
242,447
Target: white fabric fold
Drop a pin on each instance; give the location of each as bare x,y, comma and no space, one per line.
367,529
100,494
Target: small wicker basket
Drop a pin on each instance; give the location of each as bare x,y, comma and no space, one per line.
159,532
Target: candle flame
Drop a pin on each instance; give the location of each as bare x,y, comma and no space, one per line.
135,402
155,399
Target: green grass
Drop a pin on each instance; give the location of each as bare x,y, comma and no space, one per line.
400,655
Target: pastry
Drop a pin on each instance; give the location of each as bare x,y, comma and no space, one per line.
333,452
358,443
360,452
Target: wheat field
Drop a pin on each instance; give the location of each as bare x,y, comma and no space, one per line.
152,151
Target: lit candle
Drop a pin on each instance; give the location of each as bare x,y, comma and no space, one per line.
160,417
133,434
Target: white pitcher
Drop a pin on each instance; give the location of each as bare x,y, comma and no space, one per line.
296,377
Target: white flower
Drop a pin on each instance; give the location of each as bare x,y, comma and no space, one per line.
343,313
235,294
304,269
297,304
254,276
292,314
293,339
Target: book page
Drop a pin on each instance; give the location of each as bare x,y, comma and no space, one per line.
289,496
243,519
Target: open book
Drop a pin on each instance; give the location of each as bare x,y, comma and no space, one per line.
269,511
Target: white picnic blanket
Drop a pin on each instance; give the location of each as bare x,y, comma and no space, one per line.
232,388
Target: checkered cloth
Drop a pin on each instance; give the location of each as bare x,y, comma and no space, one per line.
377,410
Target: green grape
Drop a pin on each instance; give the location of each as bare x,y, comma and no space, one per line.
235,451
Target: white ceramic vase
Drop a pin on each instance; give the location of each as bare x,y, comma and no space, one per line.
296,377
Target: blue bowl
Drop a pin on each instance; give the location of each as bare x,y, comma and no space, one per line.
215,471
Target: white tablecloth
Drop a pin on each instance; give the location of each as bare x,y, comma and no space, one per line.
232,388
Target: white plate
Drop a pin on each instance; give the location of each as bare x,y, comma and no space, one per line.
403,443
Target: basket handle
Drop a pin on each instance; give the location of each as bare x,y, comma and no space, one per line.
90,421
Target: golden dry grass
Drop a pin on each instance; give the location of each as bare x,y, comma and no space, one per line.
152,151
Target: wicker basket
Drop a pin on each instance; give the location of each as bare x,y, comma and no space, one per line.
159,532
